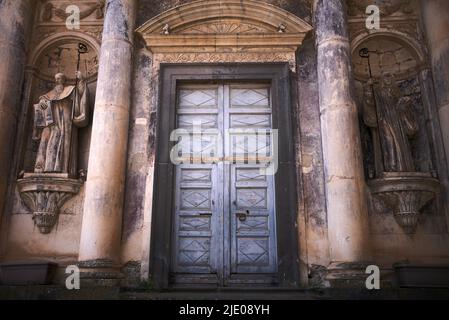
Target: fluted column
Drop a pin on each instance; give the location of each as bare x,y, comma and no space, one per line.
15,22
435,15
344,180
103,204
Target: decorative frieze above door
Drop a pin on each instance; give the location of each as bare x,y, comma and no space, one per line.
217,32
219,26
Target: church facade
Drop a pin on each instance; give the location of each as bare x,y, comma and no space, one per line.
226,143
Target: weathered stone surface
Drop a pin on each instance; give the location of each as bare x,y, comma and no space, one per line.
141,150
330,183
16,19
103,206
311,164
149,8
345,188
436,20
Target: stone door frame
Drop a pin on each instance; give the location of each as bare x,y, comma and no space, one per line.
278,74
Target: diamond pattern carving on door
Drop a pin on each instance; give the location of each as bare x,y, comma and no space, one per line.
253,224
251,198
194,252
224,213
249,175
249,97
250,121
253,143
253,252
195,199
197,98
194,224
201,121
193,175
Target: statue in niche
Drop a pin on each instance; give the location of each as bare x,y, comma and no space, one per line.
392,121
57,117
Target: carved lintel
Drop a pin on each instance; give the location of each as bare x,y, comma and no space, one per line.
208,26
405,193
45,194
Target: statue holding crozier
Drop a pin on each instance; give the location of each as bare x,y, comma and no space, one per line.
57,117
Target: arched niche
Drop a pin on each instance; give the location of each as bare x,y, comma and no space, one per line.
58,53
402,56
390,51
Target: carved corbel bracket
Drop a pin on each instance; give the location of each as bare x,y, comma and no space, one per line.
45,194
405,193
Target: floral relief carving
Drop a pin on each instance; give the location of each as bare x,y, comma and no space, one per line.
227,57
230,27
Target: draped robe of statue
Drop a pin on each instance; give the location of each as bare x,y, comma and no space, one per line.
395,123
57,117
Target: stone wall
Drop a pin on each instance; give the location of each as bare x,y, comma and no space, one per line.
399,47
149,9
405,53
52,49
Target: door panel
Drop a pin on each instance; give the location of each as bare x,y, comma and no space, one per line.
196,216
197,240
252,192
224,212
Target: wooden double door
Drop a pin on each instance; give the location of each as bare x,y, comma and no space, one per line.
224,223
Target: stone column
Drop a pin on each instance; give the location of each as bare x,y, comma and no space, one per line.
103,204
435,15
344,179
15,22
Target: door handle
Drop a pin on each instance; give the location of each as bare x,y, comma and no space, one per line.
242,216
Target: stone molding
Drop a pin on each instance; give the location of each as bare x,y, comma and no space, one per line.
243,57
60,39
215,26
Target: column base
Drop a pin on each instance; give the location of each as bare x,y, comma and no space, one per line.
100,273
347,274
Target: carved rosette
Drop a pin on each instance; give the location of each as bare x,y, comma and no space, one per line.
405,193
44,195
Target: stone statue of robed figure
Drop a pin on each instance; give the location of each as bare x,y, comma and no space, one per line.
57,117
393,122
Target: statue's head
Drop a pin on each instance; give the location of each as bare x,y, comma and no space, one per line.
387,78
60,79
